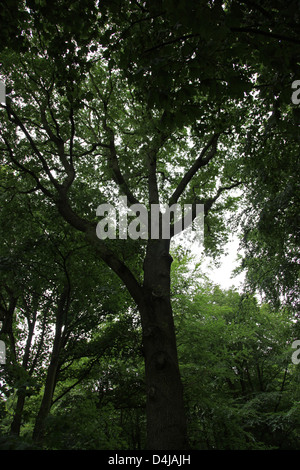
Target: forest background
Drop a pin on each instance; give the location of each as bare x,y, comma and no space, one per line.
129,344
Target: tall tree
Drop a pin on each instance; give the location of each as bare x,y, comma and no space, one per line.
151,102
240,383
44,302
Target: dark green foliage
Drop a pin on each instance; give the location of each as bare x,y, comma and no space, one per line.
242,389
162,101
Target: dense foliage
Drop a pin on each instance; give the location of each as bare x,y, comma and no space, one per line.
119,343
241,387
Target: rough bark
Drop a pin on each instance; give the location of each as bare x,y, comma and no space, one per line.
166,424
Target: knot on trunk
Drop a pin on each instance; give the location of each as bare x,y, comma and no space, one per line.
149,331
151,391
157,294
160,360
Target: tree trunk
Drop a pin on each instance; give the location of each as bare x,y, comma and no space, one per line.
7,323
166,424
38,433
17,420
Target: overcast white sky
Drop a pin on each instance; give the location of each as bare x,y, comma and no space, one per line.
222,275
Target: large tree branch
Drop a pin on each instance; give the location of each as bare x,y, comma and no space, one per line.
14,118
200,162
106,255
24,169
270,34
114,163
112,152
71,116
120,268
85,226
245,29
207,203
152,177
59,143
151,155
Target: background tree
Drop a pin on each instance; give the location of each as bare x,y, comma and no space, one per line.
158,113
241,387
47,315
